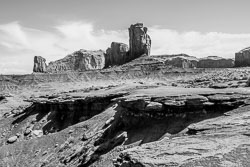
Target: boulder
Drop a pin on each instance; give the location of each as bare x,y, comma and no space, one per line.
12,139
39,64
37,133
27,131
154,106
81,60
215,62
242,58
117,54
139,41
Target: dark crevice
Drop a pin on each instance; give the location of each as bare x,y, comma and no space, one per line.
55,116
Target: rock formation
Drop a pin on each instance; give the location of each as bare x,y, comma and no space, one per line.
39,64
215,62
139,41
182,61
81,60
242,58
117,54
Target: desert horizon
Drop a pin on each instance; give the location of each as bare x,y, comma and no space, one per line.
135,83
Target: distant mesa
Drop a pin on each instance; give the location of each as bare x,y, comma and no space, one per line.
242,58
182,61
82,60
215,62
139,46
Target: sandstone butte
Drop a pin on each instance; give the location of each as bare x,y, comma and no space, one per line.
139,45
127,108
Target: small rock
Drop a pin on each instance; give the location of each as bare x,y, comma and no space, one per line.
219,86
71,131
109,121
44,153
18,134
27,131
174,84
33,120
154,106
38,133
12,139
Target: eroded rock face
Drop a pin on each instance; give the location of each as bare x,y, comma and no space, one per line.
139,41
242,58
81,60
39,64
215,62
117,54
182,61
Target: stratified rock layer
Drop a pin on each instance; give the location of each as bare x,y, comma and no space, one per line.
215,62
242,58
81,60
39,64
139,41
117,54
182,61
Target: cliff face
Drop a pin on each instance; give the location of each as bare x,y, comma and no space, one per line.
215,62
139,41
39,64
81,60
242,58
117,54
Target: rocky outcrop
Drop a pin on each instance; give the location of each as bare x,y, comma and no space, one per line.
242,58
139,41
39,64
182,61
117,54
215,62
81,60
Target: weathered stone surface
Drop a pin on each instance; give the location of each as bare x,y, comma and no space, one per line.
182,61
117,54
219,86
81,60
215,62
242,58
196,100
39,64
221,141
37,133
139,41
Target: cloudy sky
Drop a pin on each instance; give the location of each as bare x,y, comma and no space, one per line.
55,28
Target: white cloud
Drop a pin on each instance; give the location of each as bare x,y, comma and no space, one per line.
165,41
18,44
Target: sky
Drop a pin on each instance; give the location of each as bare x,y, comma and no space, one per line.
55,28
